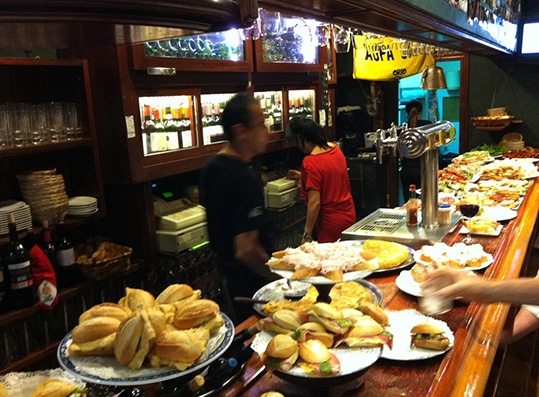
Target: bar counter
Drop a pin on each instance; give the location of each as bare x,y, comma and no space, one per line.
463,370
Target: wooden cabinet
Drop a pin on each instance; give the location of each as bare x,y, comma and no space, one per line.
27,82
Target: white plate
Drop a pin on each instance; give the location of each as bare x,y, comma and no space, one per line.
531,176
82,201
349,276
352,360
496,233
406,283
499,213
401,322
106,370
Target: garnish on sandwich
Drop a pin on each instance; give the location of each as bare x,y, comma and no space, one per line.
429,336
316,358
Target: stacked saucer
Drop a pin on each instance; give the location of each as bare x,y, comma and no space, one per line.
20,210
82,206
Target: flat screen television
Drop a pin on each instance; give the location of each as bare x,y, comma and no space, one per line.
529,43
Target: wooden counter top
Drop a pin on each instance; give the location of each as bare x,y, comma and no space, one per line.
465,369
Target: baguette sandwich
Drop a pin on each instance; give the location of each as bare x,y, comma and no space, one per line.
331,318
368,333
281,353
316,358
429,336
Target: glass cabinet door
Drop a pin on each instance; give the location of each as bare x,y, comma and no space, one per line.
212,107
167,123
301,103
271,103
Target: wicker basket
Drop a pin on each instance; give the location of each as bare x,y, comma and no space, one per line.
106,269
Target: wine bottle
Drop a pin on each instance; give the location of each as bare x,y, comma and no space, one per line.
19,273
46,243
67,273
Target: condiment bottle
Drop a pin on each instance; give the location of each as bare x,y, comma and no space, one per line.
444,214
411,208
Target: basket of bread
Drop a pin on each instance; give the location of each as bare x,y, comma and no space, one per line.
496,119
98,260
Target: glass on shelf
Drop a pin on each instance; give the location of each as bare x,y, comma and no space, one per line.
301,103
167,123
212,107
224,46
271,103
288,39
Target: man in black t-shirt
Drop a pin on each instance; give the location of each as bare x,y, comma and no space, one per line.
239,229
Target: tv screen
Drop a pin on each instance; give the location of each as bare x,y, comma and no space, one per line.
529,42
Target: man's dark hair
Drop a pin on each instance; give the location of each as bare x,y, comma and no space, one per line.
307,130
414,104
237,112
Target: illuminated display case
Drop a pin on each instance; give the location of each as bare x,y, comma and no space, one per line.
272,106
167,123
212,106
302,103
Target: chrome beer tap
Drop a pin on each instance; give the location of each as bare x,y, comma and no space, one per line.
386,139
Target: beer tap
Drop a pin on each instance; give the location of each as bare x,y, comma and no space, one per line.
387,139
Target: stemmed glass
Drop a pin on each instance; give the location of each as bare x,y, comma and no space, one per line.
469,207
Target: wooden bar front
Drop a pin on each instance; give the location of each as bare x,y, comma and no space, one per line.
464,370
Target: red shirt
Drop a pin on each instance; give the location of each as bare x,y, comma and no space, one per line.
328,173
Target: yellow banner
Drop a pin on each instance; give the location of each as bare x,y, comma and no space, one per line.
387,58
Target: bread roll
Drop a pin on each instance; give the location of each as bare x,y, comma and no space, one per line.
173,293
179,348
54,388
3,390
314,351
365,326
98,347
94,328
195,313
376,312
326,310
106,309
281,346
137,299
128,338
288,319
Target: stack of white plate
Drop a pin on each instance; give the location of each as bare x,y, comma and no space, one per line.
44,191
82,206
20,209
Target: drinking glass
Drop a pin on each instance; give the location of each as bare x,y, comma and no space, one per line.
5,138
72,121
469,207
18,123
433,305
38,123
55,121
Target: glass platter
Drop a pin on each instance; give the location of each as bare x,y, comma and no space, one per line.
276,290
107,370
401,322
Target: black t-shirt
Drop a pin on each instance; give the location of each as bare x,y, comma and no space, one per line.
234,201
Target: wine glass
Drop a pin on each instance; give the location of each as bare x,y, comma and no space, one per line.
469,207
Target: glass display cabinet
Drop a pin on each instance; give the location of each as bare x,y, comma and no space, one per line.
301,103
167,123
271,103
212,106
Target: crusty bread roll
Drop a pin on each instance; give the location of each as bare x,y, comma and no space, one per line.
94,328
157,319
314,351
137,299
106,309
281,346
272,394
426,328
195,313
376,312
312,326
173,293
99,347
128,338
288,319
429,336
179,348
3,390
324,309
54,388
365,326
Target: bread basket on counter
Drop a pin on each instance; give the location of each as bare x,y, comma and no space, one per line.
496,120
512,141
108,259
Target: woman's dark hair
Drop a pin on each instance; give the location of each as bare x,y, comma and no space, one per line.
301,128
237,111
414,104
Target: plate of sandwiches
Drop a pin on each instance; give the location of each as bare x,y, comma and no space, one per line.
328,263
322,344
416,336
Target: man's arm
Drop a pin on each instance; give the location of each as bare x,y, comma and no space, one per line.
249,252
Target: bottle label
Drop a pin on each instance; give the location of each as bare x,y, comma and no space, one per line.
66,257
20,275
46,293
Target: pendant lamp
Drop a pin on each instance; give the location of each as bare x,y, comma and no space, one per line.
433,78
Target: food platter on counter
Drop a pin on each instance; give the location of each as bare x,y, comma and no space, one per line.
276,290
406,283
400,324
499,213
353,360
494,233
106,370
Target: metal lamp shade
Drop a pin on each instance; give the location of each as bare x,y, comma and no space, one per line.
433,78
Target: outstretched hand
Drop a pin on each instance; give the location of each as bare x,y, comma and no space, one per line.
293,174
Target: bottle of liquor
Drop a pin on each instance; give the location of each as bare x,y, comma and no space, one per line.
411,207
147,124
67,273
19,273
